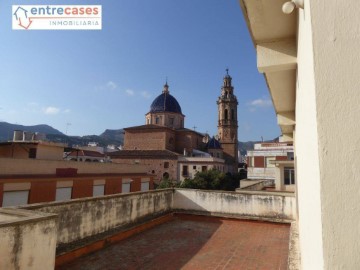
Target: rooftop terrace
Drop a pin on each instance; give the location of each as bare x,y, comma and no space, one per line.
194,242
167,229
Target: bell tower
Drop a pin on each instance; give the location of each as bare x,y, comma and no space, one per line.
228,124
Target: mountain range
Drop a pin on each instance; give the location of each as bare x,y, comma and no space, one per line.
7,130
109,136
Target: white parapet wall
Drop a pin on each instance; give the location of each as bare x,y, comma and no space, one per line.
272,206
28,240
82,218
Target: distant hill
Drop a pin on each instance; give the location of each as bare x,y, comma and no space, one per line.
109,136
116,135
7,130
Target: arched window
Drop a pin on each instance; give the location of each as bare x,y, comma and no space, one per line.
166,175
232,114
226,114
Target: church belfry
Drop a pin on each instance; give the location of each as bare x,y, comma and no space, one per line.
228,124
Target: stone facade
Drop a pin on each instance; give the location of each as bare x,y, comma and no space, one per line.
227,124
158,163
149,137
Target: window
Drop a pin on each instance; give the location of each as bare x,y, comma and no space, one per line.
289,176
14,198
32,153
171,121
126,187
148,121
145,186
268,163
98,190
157,120
290,156
185,170
226,114
203,168
166,165
194,167
232,114
63,193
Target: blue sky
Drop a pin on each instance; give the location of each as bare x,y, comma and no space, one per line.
107,79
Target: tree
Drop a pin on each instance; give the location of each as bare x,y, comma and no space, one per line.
212,180
167,183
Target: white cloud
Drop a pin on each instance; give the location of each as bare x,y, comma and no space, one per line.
51,110
145,94
66,111
111,85
259,103
130,92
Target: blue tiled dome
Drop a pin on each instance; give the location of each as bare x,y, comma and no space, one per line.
213,144
165,103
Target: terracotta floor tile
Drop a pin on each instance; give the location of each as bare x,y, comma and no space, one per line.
195,243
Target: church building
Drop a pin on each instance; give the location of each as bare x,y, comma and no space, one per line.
171,150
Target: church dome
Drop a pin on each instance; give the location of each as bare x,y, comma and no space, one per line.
213,144
165,103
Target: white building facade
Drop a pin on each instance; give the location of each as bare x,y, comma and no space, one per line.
262,160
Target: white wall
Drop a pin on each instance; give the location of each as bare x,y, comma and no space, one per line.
336,40
250,204
28,240
306,150
82,218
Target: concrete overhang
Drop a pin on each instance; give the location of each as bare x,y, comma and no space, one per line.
274,36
